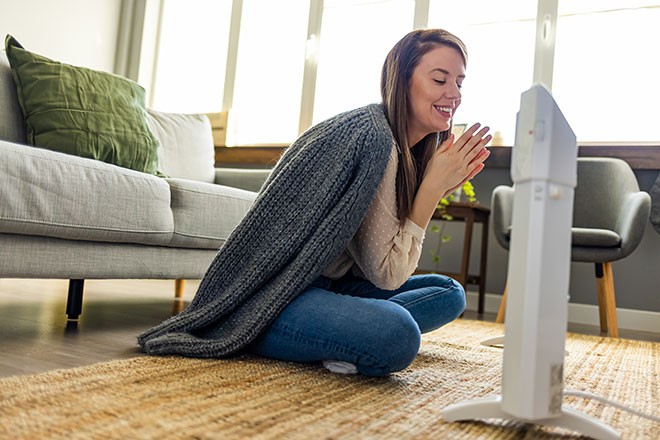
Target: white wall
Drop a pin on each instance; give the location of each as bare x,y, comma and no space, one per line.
79,32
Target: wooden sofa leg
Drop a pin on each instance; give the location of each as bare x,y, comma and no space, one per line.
179,286
177,305
606,299
74,299
500,312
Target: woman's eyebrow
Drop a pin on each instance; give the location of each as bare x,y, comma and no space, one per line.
446,72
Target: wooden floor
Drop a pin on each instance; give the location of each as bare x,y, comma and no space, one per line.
33,327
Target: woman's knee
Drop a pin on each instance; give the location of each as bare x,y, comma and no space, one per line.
395,344
434,301
452,291
456,298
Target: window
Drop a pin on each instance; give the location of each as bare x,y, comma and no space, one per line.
269,72
500,44
607,69
191,56
604,74
355,39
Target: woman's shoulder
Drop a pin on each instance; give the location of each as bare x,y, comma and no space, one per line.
364,130
367,117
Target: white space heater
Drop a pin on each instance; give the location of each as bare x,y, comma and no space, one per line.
544,172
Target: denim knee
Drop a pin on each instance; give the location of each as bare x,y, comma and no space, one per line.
395,346
432,300
453,292
457,298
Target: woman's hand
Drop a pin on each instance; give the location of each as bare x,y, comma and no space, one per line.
458,160
454,162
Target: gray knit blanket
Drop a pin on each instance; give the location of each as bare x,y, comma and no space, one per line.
303,218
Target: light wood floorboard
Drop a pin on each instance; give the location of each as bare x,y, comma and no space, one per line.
33,329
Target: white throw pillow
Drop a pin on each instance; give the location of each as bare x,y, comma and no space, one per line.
186,145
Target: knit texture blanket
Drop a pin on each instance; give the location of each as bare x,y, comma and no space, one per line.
303,218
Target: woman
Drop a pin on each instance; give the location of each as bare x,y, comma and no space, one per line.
365,312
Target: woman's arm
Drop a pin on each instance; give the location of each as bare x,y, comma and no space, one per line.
453,164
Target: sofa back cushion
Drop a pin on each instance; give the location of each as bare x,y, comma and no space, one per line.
12,125
186,145
84,112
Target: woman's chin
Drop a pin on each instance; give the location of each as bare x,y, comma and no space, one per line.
443,127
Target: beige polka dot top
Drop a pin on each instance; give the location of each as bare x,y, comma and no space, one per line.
382,251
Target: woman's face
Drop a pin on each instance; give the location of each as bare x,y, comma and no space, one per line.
435,92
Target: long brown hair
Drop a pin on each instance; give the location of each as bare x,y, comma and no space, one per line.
395,91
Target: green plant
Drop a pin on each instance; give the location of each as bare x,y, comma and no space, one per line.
468,190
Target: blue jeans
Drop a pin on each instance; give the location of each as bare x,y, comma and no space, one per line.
352,320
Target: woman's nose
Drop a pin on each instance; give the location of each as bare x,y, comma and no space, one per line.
454,92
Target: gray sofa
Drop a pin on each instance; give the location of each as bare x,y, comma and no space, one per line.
67,217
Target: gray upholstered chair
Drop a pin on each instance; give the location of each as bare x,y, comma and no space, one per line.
609,217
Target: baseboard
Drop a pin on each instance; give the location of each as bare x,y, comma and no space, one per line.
639,320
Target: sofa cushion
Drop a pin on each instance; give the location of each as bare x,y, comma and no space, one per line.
205,214
186,145
81,111
12,125
48,193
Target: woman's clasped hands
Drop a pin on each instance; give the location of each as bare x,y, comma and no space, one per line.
456,161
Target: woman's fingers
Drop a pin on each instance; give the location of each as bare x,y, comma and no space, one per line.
467,134
471,131
476,170
470,134
466,154
479,156
472,138
447,143
478,150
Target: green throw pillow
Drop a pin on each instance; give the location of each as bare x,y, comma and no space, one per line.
84,112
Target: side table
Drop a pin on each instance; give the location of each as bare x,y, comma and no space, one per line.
470,213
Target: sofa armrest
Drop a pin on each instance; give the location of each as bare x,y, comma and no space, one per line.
248,179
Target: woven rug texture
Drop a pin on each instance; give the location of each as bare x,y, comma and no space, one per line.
253,398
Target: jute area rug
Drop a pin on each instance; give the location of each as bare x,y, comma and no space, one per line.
252,398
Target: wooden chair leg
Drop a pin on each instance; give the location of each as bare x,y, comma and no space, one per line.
502,309
606,299
179,286
602,305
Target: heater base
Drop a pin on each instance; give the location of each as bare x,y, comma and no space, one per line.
491,408
493,342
